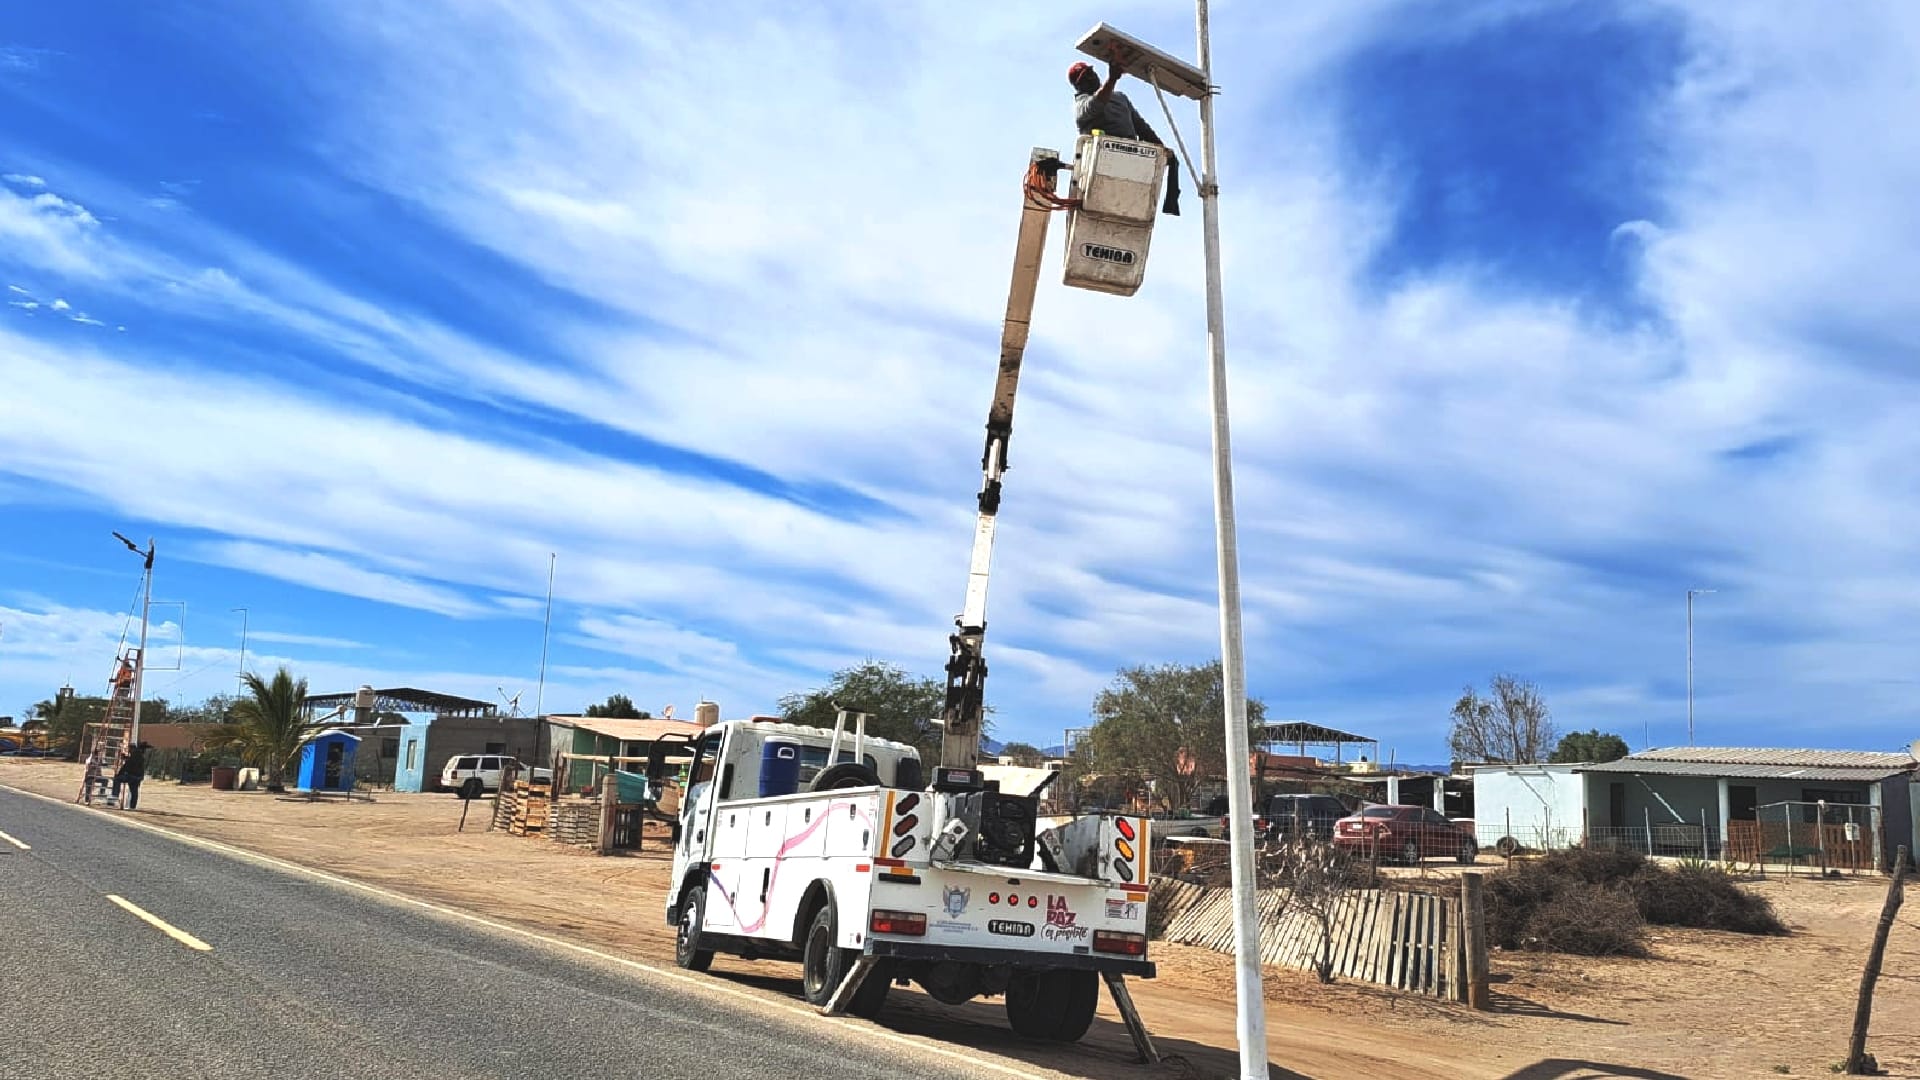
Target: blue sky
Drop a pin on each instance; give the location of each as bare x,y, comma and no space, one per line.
1538,316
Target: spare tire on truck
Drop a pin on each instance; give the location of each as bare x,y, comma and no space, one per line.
846,774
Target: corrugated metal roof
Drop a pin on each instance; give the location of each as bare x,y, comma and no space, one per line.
1646,767
1735,755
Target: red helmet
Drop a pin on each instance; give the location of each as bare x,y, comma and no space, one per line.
1077,70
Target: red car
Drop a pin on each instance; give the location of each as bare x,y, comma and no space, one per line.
1407,833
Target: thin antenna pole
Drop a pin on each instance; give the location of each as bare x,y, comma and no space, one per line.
540,694
242,676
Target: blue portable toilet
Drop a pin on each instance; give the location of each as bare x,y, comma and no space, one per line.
326,762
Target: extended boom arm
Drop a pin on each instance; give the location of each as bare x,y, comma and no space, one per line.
966,664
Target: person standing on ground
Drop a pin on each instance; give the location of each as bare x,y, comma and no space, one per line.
96,762
1097,106
131,772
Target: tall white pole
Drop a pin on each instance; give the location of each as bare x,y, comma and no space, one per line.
140,669
1251,1016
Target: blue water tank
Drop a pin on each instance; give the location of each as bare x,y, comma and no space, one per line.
779,767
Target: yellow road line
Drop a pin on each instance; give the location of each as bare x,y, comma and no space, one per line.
15,843
162,925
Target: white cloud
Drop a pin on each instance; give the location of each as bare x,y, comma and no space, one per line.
23,180
318,641
60,305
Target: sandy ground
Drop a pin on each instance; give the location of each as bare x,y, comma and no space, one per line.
1707,1005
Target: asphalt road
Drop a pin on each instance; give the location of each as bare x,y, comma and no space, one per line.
305,978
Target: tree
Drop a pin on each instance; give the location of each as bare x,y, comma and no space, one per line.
1581,746
1511,725
618,707
214,710
271,721
1164,725
902,707
1024,754
66,720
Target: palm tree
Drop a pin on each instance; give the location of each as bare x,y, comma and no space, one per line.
271,721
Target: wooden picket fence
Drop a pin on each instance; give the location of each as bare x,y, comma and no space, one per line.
1412,941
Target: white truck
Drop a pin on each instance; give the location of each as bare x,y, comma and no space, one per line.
855,868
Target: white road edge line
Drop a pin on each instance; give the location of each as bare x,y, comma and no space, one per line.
16,843
161,924
703,986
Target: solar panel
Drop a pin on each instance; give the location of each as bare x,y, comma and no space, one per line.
1144,62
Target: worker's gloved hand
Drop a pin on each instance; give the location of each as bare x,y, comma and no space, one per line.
1170,205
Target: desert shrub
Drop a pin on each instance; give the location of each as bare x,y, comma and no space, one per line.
1703,897
1513,895
1600,920
1596,866
1540,903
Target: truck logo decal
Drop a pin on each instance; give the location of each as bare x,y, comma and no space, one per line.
1127,148
1066,933
1107,253
954,900
1059,914
1009,928
1123,909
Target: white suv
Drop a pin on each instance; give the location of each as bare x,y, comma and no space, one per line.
482,769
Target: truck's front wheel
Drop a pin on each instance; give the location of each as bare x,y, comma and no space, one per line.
686,939
1054,1005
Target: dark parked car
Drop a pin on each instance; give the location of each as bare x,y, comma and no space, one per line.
1313,815
1406,833
1277,819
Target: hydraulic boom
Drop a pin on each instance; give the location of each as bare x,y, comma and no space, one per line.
966,664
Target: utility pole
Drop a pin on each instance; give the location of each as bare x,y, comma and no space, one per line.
146,604
1691,593
1251,1021
242,677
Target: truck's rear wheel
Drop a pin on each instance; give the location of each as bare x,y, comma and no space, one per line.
686,939
1081,990
1054,1005
823,963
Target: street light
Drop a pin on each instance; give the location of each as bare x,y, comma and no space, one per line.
1170,75
1691,593
146,603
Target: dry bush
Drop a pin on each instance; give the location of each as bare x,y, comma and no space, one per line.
1595,921
1541,903
1704,897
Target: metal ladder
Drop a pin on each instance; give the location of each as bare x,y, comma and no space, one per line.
111,735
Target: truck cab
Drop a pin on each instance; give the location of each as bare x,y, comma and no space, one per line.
803,843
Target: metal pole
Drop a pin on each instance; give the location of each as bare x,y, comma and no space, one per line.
1689,667
1251,1020
140,669
540,694
242,676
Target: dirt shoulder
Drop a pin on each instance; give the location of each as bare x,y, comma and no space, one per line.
1708,1005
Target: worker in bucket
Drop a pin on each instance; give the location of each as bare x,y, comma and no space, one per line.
1097,106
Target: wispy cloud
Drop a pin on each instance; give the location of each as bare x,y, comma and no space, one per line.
318,641
24,180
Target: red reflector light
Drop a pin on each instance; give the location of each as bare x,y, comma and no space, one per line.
910,923
993,898
1125,827
1117,941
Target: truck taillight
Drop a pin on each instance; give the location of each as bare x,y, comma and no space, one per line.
1119,941
910,923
